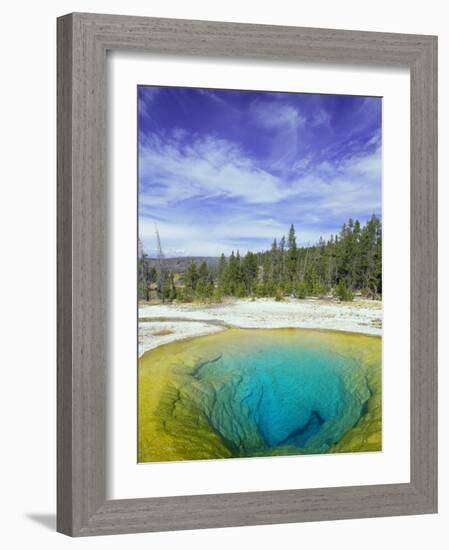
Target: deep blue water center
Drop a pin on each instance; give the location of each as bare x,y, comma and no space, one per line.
281,398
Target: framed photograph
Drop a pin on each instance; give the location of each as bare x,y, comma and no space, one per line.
247,274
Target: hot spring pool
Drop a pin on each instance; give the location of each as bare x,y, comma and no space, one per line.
243,393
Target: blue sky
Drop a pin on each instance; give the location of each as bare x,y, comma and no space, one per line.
223,170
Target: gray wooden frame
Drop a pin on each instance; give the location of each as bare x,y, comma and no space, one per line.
83,40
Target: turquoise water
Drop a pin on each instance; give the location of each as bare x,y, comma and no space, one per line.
279,398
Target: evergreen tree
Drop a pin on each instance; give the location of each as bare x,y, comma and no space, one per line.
191,277
203,275
292,256
282,260
250,272
173,292
222,272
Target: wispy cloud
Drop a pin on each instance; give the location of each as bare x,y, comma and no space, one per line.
274,114
284,122
146,96
207,167
321,118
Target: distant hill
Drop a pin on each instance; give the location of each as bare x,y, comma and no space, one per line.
182,263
